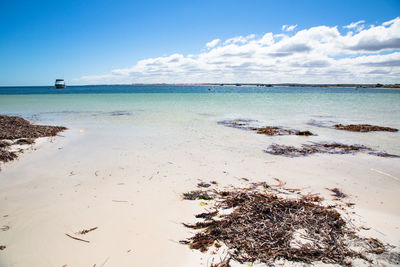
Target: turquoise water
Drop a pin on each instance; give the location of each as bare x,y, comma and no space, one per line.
172,106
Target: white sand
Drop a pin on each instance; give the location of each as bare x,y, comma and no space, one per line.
128,182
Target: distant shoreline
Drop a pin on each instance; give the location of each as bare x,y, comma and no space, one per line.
376,86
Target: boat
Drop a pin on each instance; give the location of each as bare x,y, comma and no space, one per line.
60,84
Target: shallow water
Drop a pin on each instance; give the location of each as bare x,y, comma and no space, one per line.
177,107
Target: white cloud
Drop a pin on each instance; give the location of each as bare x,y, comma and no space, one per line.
319,54
288,28
212,43
358,26
240,39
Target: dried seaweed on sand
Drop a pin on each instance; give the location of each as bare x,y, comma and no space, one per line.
264,227
326,148
337,192
12,127
22,132
198,194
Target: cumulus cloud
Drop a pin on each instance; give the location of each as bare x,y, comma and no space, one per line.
319,54
212,43
240,39
288,28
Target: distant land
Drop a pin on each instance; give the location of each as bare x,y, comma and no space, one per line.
341,85
377,85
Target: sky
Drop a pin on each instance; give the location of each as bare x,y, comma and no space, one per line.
219,41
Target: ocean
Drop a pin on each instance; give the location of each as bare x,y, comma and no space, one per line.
200,108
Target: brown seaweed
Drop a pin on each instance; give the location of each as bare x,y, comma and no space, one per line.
364,128
327,148
247,124
337,192
6,156
22,132
264,227
12,127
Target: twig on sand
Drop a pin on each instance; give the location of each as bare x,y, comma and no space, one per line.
104,263
85,231
87,241
151,177
280,183
119,200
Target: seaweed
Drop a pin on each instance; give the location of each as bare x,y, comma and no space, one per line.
12,127
247,124
364,128
264,227
22,132
337,193
202,184
25,141
327,148
6,156
351,127
193,195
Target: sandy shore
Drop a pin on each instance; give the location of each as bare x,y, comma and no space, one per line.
129,182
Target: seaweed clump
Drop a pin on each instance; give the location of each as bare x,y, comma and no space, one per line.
326,148
364,128
198,194
264,227
273,130
18,131
266,130
307,149
12,127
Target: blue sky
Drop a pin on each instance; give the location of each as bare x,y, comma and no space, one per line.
88,42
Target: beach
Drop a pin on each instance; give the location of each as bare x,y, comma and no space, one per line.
126,159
